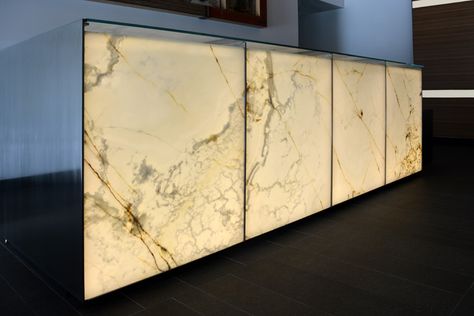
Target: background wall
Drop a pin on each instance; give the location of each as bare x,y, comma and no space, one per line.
379,29
444,44
23,19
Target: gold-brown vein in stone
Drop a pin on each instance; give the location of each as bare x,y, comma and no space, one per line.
359,128
164,153
288,138
403,122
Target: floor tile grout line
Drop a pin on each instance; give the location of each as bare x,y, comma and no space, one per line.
401,258
378,222
391,299
39,277
280,294
366,268
184,304
317,235
463,292
461,299
214,296
18,294
235,261
57,294
402,278
136,313
428,224
134,301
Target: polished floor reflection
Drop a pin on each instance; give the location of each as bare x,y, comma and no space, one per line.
401,250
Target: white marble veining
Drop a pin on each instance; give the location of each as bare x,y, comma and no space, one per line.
359,128
403,122
288,138
164,134
164,153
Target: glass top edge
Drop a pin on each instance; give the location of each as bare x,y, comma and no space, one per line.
255,42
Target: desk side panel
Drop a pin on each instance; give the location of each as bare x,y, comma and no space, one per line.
41,153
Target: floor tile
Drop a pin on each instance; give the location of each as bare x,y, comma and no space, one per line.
113,304
208,304
255,299
210,268
363,254
390,287
320,292
155,290
250,251
169,307
404,249
466,305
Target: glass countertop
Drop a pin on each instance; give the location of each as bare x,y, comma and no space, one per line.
127,29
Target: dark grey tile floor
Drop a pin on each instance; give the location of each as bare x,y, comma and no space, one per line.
402,250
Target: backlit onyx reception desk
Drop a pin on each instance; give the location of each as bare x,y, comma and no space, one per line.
128,151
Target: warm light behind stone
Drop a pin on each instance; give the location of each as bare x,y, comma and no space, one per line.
165,144
403,122
359,128
288,138
164,154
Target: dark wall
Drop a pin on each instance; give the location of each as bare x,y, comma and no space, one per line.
443,37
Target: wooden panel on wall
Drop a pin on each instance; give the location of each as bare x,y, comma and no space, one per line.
443,41
241,17
183,6
443,37
231,14
452,118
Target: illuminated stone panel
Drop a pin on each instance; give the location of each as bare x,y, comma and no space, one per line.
163,155
168,146
288,138
358,128
403,122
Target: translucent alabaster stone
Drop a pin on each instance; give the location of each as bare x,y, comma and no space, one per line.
164,155
359,128
403,122
288,138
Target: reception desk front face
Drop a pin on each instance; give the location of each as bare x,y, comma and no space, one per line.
163,152
192,144
288,166
403,137
358,128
